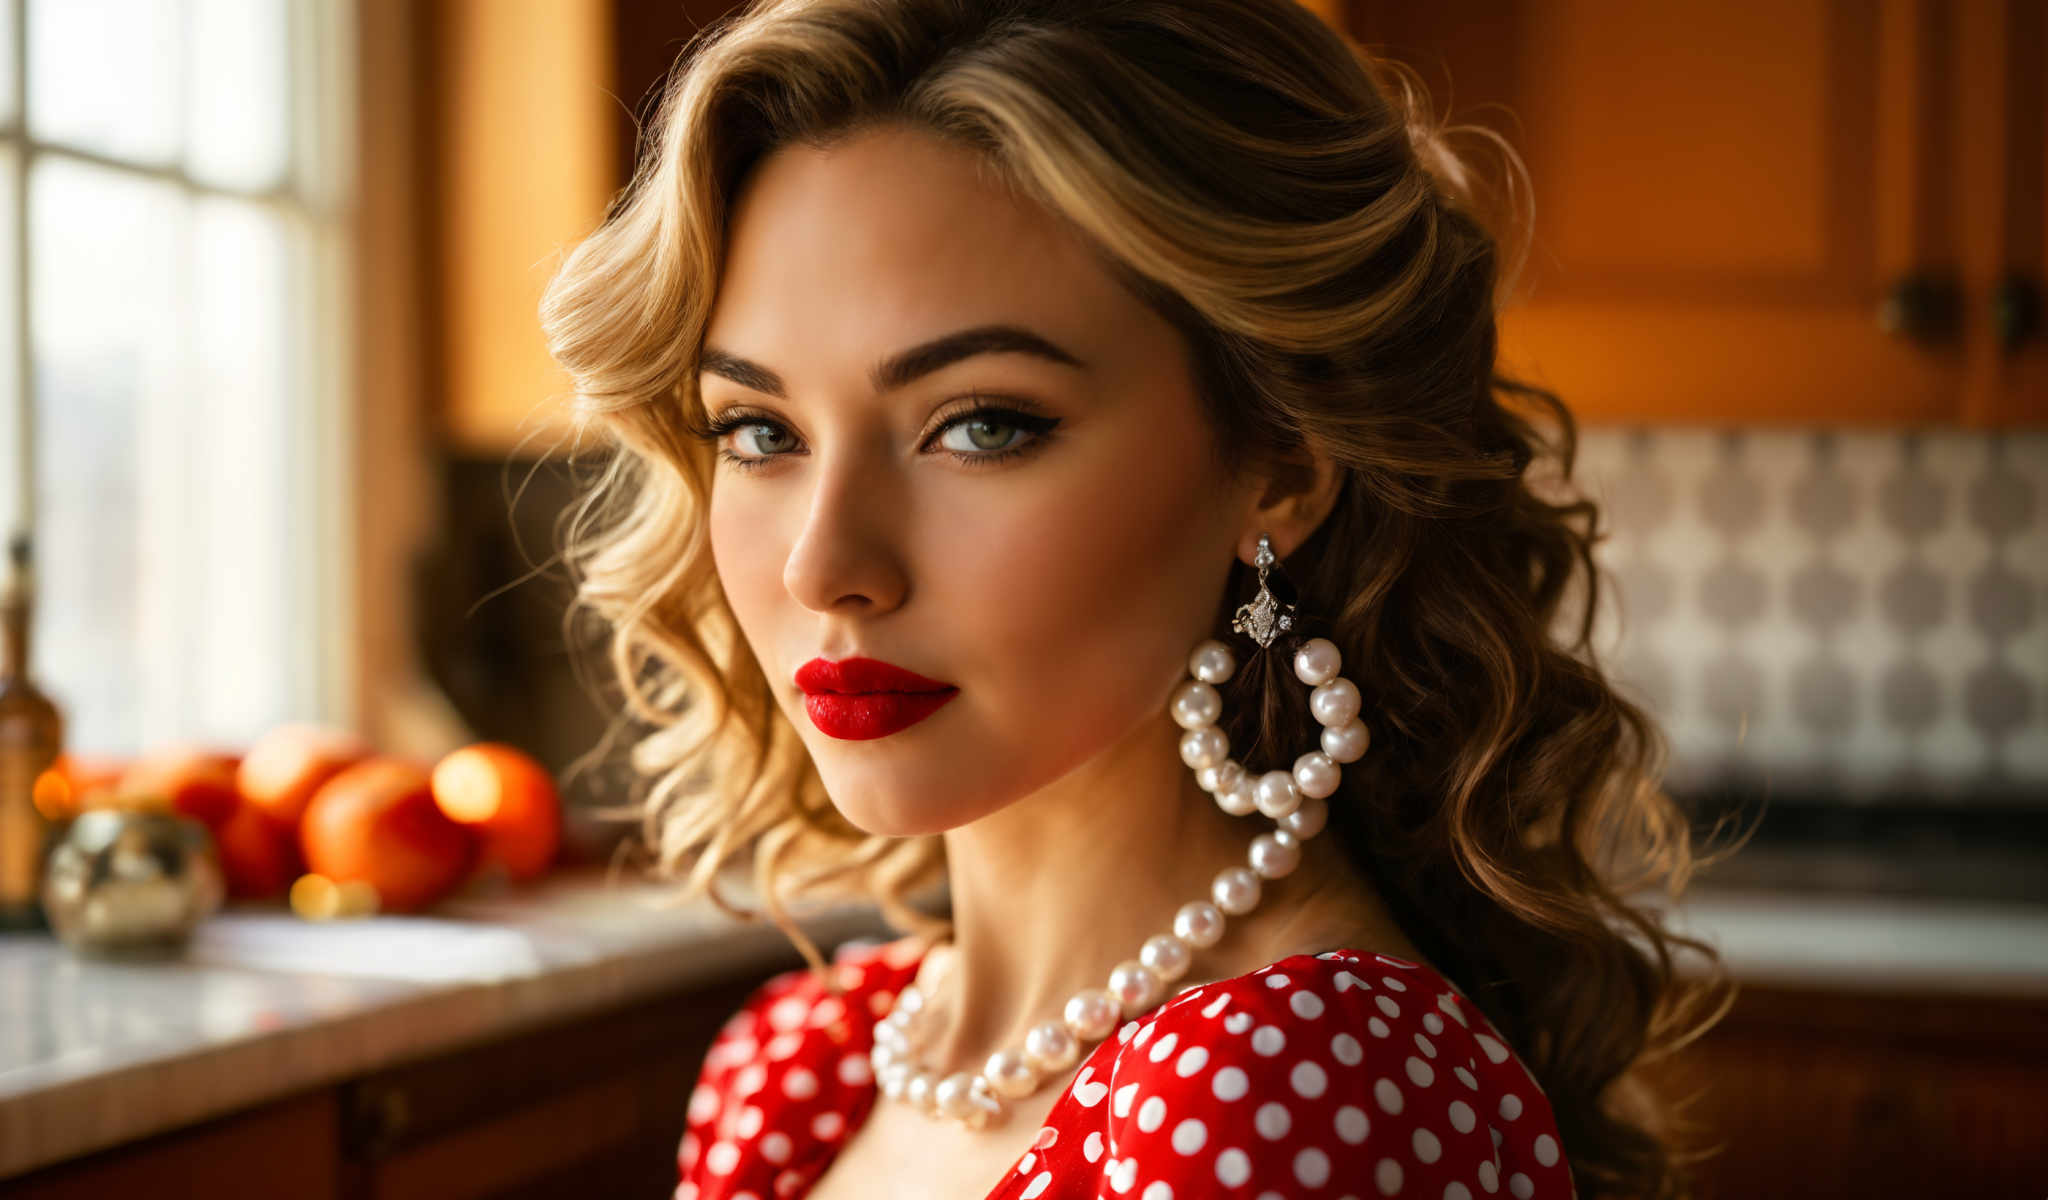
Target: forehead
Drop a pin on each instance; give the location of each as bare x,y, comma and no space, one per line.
893,236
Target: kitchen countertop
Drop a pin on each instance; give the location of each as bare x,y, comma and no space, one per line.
95,1053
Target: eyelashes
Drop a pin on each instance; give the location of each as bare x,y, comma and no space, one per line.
1036,429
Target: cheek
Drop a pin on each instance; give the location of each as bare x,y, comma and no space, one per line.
745,555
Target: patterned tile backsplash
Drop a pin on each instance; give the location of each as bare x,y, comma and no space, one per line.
1852,615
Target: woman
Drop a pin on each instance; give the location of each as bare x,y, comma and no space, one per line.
1058,453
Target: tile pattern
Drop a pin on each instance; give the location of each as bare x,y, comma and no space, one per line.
1859,614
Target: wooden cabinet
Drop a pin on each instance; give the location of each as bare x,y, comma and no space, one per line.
1761,211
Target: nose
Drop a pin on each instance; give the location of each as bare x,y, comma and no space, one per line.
845,559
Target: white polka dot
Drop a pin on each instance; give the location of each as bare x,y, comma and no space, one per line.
1192,1059
1312,1167
1125,1097
1546,1150
722,1157
855,1071
1268,1041
1276,981
1346,981
1125,1175
1457,1191
1309,1079
1027,1162
776,1147
1162,1048
1047,1135
826,1011
750,1080
1352,1125
1419,1072
1151,1114
1216,1006
1446,1003
1427,1147
703,1104
1495,1132
1494,1050
750,1122
1237,1022
1231,1083
1038,1184
782,1045
1510,1107
1489,1176
1465,1077
685,1191
1388,1095
1091,1147
1272,1121
1125,1030
1345,1049
788,1013
1143,1035
1520,1185
1462,1116
1233,1167
827,1125
799,1084
1306,1005
1378,1027
1423,1044
1388,1176
1432,1022
1190,1135
1158,1189
1387,1005
1394,983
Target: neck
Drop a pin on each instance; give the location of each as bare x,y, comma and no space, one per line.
1053,891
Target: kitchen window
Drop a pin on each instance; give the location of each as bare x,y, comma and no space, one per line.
175,332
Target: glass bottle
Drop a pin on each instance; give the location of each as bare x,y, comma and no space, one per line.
31,734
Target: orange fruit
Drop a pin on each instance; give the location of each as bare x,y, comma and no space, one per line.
187,780
75,782
285,766
258,857
377,822
509,799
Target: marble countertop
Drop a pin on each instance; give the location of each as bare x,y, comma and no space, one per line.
96,1053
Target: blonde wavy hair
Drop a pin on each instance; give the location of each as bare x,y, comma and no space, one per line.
1289,202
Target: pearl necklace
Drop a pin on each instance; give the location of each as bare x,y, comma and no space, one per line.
1294,799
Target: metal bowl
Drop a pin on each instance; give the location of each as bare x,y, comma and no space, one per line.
131,884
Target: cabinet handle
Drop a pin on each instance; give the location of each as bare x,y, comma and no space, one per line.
378,1117
1923,306
2015,310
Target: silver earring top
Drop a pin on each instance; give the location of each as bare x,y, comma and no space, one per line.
1265,616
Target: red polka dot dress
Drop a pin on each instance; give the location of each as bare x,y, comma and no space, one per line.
1342,1074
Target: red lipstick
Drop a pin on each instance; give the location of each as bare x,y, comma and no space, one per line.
856,699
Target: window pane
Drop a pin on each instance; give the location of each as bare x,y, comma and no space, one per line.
7,8
104,75
240,99
103,259
12,501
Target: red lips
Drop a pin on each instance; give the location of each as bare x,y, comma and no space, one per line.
857,699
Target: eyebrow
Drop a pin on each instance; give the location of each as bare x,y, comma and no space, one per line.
905,366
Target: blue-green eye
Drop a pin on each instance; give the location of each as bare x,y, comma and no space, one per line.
992,434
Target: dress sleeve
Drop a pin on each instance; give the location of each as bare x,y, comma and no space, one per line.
737,1044
1302,1076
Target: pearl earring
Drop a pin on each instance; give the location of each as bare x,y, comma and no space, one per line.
1294,799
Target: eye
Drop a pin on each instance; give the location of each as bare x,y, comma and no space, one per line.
776,440
986,430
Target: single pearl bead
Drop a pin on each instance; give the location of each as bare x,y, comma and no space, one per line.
950,1097
1091,1014
918,1091
1199,924
1240,801
1316,774
1346,742
1211,662
1165,956
1275,855
1277,795
1308,820
910,999
1010,1074
1049,1047
1317,661
1204,747
1196,704
984,1106
890,1034
1335,702
1222,777
1236,890
1135,987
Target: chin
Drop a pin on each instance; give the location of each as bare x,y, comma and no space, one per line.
888,812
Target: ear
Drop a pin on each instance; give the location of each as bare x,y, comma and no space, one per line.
1293,498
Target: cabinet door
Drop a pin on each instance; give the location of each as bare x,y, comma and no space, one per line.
1725,193
2003,123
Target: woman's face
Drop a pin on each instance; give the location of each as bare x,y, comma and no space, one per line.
1054,562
